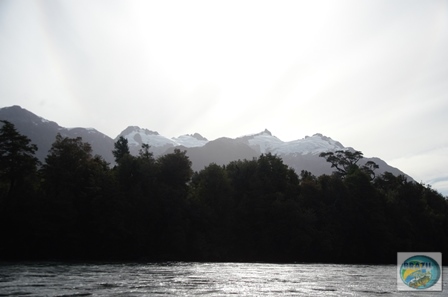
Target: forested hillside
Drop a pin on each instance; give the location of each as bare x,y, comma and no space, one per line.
74,206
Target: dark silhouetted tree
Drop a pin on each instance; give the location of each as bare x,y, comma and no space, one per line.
121,149
72,182
19,203
175,169
173,175
343,161
69,167
17,160
346,162
213,213
144,151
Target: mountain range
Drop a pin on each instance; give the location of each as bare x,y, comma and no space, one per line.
300,154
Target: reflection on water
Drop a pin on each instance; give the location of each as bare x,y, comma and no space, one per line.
208,279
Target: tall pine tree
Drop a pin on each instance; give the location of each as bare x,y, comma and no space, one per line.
121,149
17,160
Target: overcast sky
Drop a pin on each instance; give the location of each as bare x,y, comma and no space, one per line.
370,74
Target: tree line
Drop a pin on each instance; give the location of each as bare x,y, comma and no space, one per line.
75,206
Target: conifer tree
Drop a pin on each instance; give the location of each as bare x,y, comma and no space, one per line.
17,158
121,149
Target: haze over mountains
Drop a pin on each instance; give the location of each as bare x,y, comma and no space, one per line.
300,154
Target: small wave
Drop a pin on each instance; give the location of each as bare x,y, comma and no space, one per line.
109,285
324,289
35,285
5,278
374,292
42,275
208,292
74,295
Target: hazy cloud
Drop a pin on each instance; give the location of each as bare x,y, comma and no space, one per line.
371,74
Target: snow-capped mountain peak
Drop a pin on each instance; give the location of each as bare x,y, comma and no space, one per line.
190,140
137,129
315,144
137,136
198,136
265,142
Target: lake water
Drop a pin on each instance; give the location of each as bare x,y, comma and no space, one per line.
206,279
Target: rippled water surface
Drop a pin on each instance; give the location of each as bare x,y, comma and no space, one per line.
208,279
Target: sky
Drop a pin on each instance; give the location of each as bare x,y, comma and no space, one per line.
370,74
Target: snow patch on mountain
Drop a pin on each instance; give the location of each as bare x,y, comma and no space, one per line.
265,142
314,145
195,140
137,136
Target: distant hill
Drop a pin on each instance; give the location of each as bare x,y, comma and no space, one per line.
300,154
43,132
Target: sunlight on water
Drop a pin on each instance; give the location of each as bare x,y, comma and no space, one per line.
207,279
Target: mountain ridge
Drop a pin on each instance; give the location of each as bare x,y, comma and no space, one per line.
42,132
300,154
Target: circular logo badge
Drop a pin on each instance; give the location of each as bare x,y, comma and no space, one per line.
420,272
